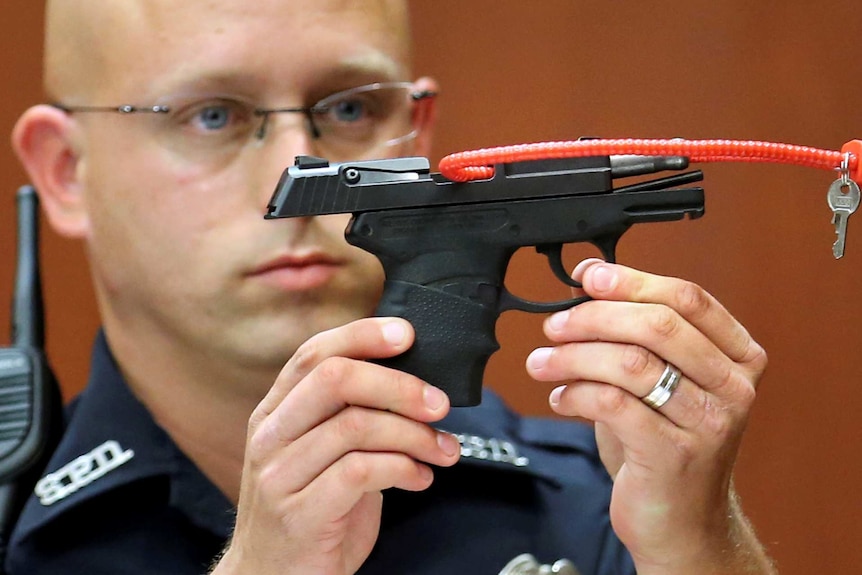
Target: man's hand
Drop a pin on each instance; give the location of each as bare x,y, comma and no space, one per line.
332,433
673,505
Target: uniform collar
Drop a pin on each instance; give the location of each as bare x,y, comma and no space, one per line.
107,421
111,440
495,437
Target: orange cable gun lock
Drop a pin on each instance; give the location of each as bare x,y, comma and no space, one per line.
445,239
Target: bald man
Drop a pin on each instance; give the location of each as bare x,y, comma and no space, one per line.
231,422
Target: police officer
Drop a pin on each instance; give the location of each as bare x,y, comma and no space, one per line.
231,420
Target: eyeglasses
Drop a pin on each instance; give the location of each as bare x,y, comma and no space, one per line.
356,123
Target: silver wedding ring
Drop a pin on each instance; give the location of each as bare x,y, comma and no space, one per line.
662,391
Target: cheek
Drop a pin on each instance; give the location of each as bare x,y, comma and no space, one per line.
372,273
335,226
367,270
150,217
133,247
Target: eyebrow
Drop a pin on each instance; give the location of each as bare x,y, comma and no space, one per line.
376,62
358,70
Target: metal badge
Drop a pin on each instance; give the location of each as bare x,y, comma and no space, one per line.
526,564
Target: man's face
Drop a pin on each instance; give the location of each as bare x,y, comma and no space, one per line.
177,238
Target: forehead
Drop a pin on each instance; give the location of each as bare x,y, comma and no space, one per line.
150,46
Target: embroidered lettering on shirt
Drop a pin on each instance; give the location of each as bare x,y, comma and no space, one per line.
490,449
81,471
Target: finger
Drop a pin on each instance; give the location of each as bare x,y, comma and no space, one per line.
578,273
362,339
362,430
339,382
338,489
651,447
656,328
644,434
630,367
698,307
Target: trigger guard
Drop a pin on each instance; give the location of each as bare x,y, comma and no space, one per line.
510,301
554,253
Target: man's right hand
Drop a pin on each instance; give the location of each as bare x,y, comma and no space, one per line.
331,434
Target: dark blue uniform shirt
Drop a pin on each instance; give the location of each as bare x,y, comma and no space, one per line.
119,497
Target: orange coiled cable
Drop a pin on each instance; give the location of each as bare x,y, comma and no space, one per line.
478,164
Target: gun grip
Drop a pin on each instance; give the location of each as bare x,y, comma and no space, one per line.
450,355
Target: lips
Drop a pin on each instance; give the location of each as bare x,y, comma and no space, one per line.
298,272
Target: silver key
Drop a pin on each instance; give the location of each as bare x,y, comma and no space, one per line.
843,198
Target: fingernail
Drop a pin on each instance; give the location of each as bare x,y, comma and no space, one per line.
555,395
434,397
448,444
394,332
539,358
559,320
579,270
604,278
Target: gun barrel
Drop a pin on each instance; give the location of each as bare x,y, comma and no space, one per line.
624,166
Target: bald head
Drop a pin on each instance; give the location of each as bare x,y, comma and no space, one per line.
91,46
68,46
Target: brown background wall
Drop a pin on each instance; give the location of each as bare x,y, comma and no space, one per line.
515,72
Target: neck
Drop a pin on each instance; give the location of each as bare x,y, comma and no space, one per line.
187,394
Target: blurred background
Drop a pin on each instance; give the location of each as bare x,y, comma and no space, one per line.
515,72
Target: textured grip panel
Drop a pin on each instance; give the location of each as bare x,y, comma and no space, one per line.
454,338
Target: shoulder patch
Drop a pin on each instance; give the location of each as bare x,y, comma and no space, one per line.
81,471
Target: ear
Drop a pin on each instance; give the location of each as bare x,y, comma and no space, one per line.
425,117
44,139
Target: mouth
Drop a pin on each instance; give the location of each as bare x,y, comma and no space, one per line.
298,272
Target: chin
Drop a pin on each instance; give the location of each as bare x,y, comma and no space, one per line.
292,330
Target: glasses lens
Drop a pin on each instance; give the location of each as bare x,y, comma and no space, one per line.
354,124
363,121
202,128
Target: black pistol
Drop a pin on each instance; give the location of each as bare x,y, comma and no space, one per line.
445,246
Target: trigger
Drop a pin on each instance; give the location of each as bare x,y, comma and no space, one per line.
607,245
555,258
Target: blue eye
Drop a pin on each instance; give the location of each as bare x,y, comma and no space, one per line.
214,117
349,110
